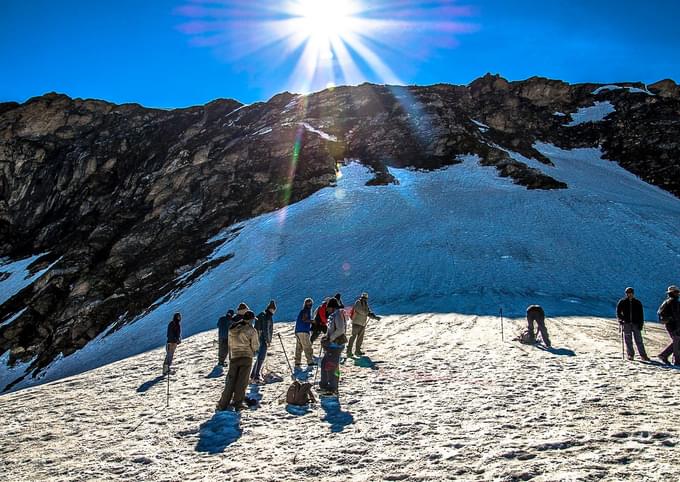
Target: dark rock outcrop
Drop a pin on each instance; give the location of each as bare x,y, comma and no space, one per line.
124,198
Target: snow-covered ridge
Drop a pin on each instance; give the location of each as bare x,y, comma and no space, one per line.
593,113
457,239
633,90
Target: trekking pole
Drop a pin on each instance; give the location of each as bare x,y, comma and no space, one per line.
290,367
318,366
167,397
502,334
623,357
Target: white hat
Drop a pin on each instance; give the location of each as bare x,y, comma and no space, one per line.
673,289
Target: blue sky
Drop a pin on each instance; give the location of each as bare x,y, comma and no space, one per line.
161,54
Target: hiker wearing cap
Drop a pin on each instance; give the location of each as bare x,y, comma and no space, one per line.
669,315
243,344
536,314
174,338
333,344
360,315
338,297
240,311
303,328
264,325
631,317
223,325
320,321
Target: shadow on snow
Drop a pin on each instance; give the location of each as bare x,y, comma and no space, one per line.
222,430
149,384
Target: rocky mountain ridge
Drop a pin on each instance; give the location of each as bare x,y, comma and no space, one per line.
124,199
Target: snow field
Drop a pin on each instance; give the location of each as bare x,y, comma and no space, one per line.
437,397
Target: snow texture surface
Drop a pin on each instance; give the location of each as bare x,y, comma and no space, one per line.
436,397
19,276
460,239
593,113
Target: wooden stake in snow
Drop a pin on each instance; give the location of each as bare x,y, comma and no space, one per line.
502,334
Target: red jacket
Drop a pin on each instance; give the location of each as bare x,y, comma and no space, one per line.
320,317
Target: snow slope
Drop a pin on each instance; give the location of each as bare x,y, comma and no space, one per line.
460,239
593,113
438,397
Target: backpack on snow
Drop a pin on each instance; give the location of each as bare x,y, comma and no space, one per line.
300,393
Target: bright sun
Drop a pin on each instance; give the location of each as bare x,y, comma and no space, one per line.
325,19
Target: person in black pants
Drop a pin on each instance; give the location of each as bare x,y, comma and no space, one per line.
631,317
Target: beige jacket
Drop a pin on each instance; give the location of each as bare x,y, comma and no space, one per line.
361,311
243,340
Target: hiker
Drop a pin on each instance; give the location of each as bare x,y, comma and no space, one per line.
333,344
243,344
320,321
631,317
303,327
338,297
223,325
536,314
669,315
360,315
174,338
240,311
264,325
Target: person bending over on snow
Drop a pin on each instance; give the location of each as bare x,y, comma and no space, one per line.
360,315
243,344
536,314
320,322
669,315
631,317
223,325
174,338
303,326
333,344
264,324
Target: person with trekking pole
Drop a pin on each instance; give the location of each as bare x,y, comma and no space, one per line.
360,315
333,344
174,338
536,314
631,318
264,324
243,344
223,325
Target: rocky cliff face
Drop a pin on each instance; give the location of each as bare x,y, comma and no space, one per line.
123,199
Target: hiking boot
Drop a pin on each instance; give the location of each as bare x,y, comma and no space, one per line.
645,358
665,360
631,358
239,406
359,353
350,354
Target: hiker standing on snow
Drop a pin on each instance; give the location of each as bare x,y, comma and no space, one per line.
303,327
333,344
320,323
174,338
264,325
360,315
243,344
536,314
223,325
669,315
631,317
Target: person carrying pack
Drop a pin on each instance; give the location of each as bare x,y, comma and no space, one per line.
333,344
303,327
223,325
669,315
174,338
243,344
631,317
264,324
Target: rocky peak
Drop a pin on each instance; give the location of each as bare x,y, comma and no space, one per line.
665,88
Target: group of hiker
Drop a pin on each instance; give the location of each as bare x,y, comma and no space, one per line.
242,337
631,317
243,341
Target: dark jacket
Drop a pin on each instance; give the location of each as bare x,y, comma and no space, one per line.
304,321
669,313
174,332
264,324
630,311
223,325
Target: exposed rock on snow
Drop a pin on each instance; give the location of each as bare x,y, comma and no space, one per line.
437,396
